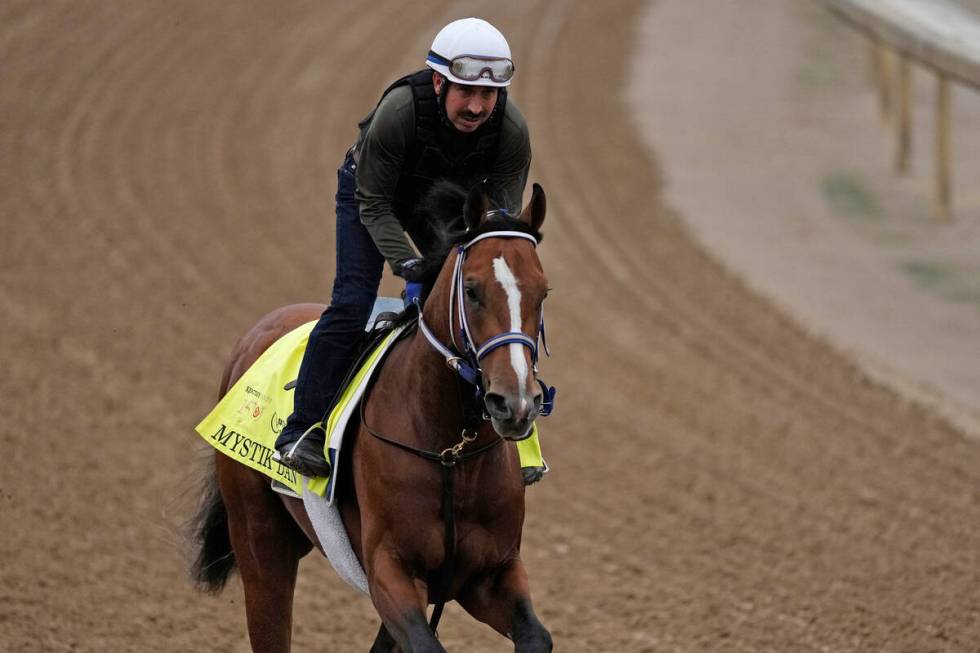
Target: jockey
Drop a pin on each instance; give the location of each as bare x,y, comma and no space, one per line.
451,120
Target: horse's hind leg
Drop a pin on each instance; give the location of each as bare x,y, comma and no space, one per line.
268,545
503,602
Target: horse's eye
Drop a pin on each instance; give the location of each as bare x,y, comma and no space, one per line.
471,294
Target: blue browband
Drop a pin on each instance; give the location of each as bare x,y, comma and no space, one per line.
467,363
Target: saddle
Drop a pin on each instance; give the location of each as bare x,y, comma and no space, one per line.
245,422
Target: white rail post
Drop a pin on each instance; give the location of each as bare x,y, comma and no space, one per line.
943,148
904,122
882,71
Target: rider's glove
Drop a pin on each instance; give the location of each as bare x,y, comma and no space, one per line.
410,270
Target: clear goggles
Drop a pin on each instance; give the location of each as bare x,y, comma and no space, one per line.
472,68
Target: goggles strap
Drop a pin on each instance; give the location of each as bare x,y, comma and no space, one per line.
435,57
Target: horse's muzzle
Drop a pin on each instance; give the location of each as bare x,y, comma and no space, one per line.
512,416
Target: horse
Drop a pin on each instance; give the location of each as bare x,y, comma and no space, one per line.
416,546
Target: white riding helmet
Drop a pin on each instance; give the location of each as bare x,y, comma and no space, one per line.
471,51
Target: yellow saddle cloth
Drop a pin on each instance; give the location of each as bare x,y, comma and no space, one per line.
246,421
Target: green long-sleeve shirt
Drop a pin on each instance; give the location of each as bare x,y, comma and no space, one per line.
382,147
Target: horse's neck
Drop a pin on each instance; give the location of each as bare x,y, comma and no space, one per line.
423,393
437,384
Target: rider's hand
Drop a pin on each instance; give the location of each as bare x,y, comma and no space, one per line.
409,269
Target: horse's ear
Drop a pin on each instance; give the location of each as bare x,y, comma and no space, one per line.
533,213
476,206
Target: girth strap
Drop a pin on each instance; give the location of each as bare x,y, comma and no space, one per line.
448,545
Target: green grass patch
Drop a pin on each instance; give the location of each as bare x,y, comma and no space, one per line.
816,71
848,196
927,274
949,282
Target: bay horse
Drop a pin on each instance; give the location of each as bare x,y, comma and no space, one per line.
392,501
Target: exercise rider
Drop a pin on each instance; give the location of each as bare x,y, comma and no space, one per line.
451,120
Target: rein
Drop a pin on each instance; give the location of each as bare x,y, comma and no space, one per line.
448,457
467,366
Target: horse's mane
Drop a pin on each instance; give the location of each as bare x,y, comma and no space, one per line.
443,207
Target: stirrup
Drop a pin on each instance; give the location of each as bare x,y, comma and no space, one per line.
312,428
318,466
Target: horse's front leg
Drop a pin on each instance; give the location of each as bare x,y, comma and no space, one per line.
401,600
503,601
383,643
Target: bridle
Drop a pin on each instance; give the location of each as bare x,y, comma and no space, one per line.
466,363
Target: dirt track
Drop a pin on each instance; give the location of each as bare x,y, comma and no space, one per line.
722,482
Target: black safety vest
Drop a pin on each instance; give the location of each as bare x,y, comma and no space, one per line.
437,150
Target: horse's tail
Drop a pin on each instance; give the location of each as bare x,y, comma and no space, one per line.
215,560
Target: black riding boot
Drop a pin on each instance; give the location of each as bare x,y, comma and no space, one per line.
330,351
300,445
333,341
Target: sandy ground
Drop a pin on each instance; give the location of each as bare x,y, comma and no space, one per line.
722,481
786,173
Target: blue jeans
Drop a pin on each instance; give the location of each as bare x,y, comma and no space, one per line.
333,342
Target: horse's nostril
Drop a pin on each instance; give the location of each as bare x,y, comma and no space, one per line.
497,405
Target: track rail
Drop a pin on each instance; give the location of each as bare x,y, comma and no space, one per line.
939,34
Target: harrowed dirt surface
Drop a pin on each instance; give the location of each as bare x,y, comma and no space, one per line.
722,480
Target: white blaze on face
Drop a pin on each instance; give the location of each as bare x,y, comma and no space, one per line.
517,360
